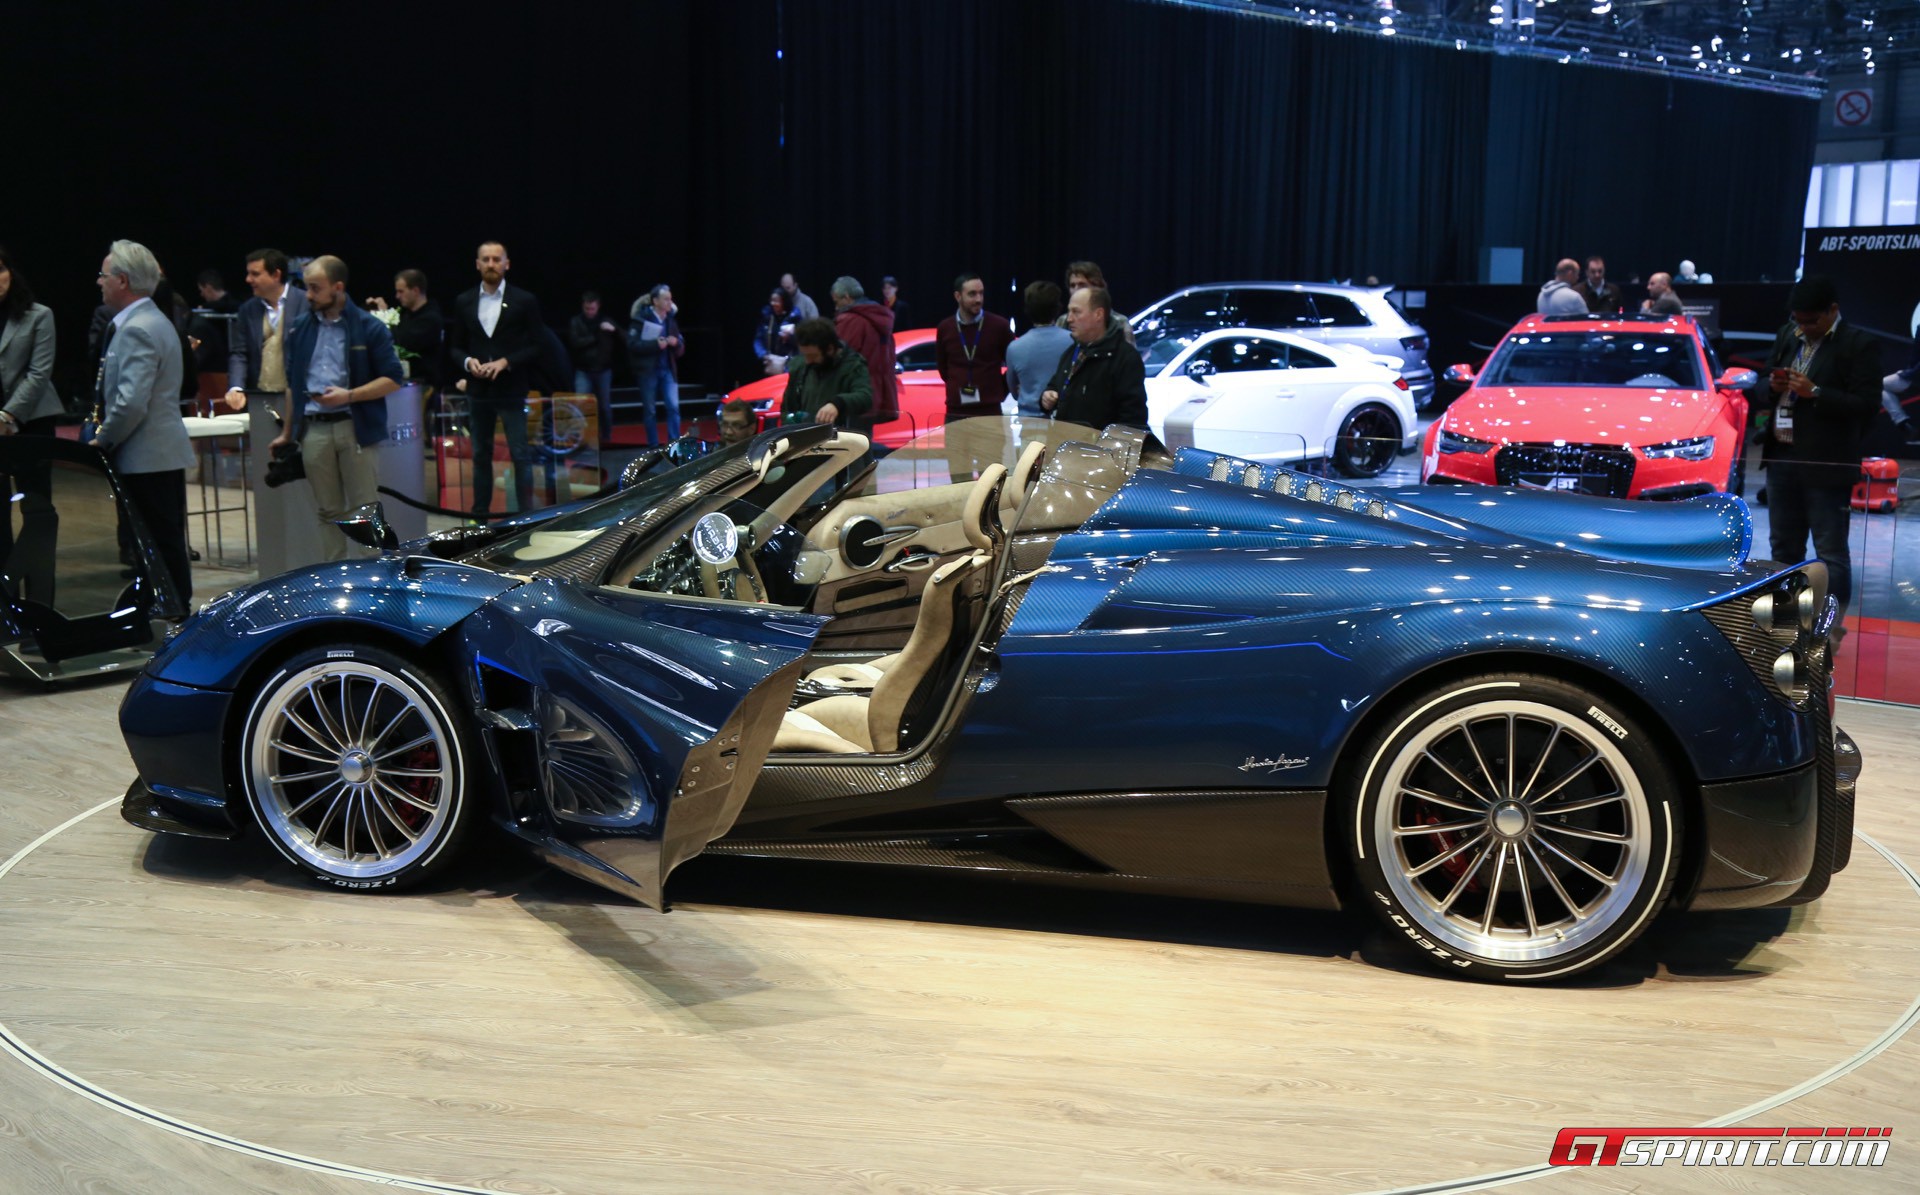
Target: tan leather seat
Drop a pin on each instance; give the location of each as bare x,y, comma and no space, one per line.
853,722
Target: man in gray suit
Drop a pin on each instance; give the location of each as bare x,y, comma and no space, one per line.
140,426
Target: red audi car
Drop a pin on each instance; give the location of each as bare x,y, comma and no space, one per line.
1618,406
923,396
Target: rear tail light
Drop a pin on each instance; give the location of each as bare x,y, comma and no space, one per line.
1414,344
1401,382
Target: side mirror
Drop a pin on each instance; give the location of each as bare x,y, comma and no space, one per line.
1737,379
1199,369
368,525
641,465
1459,374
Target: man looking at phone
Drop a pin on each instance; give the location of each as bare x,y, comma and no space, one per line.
1821,387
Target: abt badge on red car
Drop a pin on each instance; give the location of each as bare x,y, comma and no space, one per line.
1610,405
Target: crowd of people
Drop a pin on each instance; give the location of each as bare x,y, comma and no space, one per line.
328,365
1573,292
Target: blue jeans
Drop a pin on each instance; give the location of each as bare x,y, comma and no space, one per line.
659,384
599,383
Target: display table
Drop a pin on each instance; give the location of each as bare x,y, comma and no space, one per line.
289,528
207,435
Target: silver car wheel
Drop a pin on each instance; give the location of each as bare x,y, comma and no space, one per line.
354,769
1513,831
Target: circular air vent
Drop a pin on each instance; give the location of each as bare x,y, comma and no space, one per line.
862,539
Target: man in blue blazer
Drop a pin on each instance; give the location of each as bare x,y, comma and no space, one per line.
340,368
139,392
256,342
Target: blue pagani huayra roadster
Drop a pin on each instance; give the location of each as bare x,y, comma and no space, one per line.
1515,725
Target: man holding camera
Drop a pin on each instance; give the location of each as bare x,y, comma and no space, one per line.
340,368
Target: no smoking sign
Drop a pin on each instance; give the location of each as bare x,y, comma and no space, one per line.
1853,108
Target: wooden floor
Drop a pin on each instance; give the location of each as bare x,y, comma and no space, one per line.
178,1016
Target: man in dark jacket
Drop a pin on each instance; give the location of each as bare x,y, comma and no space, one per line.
655,344
1600,295
866,327
495,339
592,337
1101,379
422,330
832,385
340,368
1821,387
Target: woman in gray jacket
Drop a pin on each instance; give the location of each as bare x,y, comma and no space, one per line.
28,406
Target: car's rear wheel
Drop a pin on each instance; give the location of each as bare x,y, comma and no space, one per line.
1514,827
356,769
1369,437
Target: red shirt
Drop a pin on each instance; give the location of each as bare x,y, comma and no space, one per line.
984,367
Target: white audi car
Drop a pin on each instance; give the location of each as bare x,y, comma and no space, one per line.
1278,397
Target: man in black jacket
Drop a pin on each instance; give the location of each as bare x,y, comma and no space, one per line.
592,337
494,340
1812,406
1101,379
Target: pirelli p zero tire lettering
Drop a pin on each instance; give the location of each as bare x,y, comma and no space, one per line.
356,768
1513,827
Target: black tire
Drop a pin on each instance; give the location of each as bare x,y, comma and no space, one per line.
1611,856
357,768
1737,480
1368,441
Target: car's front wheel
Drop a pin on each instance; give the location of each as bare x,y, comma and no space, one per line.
1514,827
356,769
1368,440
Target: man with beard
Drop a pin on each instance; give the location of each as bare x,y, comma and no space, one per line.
494,340
340,368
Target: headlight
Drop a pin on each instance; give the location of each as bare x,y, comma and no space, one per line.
1697,449
1452,442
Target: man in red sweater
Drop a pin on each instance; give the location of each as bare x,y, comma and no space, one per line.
971,351
971,348
866,327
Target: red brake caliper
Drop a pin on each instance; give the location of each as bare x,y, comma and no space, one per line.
423,789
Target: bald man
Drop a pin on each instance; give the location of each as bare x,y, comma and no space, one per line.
1561,295
1660,298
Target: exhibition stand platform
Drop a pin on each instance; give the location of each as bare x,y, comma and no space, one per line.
191,1016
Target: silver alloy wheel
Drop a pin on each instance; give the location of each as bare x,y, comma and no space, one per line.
354,769
1513,831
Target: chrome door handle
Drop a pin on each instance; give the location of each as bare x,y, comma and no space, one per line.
911,562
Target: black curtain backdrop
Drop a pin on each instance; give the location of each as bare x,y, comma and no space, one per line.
713,145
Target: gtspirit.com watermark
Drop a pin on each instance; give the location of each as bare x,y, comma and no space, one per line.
1721,1147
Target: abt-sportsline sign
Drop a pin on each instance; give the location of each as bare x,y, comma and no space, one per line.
1878,273
1831,1147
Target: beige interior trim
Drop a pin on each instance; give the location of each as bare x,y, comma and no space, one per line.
800,731
981,516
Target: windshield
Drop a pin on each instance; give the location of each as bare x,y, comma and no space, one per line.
1595,359
655,497
1161,352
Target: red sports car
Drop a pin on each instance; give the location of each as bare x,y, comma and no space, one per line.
1618,406
923,396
